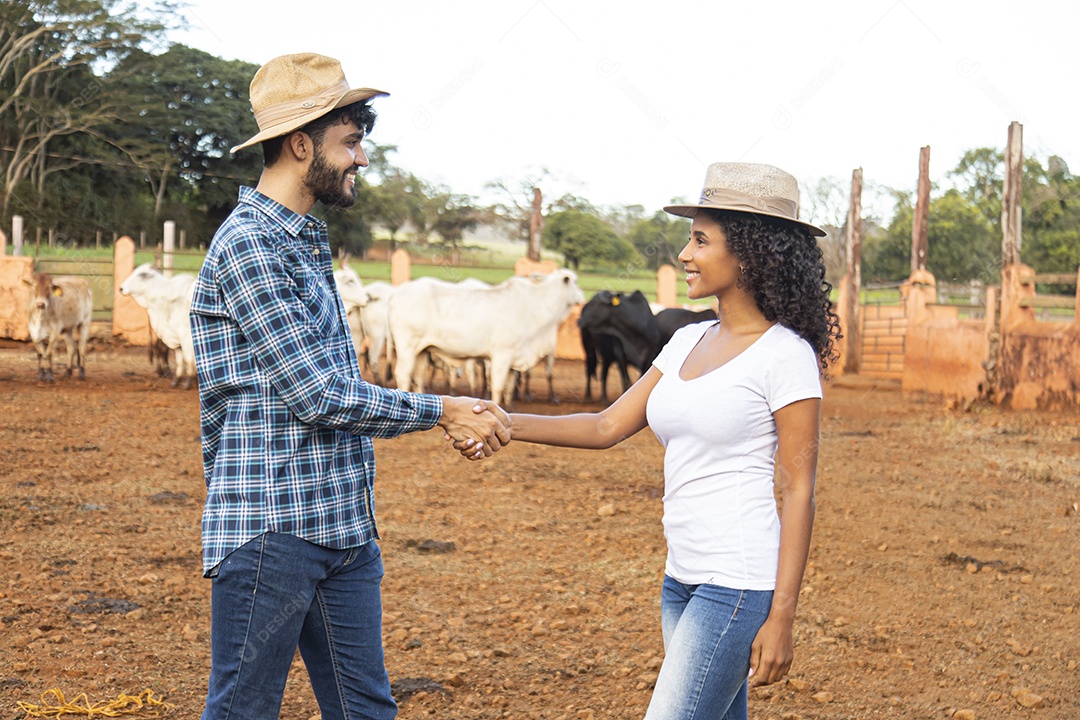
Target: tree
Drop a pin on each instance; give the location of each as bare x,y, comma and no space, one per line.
582,237
963,245
659,239
623,218
48,89
825,203
422,209
391,204
188,109
979,176
514,200
1051,207
1051,213
390,186
886,257
454,215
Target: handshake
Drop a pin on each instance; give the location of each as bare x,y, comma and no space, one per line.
478,428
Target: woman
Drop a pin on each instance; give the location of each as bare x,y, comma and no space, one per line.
736,403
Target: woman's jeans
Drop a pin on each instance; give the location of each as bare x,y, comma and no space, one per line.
279,592
708,631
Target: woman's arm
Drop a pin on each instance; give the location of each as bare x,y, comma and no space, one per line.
592,431
797,430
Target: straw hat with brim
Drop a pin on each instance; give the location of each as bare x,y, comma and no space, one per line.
292,90
750,188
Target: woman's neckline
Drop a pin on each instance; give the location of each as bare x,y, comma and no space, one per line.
731,360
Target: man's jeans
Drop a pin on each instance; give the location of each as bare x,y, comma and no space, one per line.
278,592
708,631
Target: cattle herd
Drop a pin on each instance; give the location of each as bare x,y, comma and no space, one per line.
489,335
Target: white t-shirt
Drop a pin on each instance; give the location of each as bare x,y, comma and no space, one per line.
720,515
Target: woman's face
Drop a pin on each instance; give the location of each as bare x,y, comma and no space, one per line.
710,268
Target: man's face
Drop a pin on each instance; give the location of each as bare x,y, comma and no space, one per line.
331,177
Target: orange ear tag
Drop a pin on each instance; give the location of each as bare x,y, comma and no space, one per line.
615,301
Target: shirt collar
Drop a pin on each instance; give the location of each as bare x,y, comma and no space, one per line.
293,223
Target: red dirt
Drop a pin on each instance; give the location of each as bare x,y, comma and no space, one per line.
941,583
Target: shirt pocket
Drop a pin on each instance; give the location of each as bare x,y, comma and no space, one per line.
322,309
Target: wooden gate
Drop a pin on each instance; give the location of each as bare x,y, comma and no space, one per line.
884,328
98,271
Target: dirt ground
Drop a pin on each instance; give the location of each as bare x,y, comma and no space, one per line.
942,582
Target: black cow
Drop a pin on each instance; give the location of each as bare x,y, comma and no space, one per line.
671,319
619,328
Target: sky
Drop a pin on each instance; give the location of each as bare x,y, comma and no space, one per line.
629,102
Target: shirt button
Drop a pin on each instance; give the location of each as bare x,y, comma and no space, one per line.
310,224
316,251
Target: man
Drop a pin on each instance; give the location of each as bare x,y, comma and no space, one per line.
287,421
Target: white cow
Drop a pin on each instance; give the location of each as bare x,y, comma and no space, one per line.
350,287
353,297
167,301
452,367
365,306
60,306
376,326
511,326
432,359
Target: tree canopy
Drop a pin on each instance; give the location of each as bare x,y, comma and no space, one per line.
584,238
964,223
660,238
104,125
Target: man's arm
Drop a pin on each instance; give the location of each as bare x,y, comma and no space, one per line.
263,300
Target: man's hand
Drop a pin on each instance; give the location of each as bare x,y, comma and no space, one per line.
472,449
483,423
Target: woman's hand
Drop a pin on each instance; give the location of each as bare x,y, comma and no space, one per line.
772,652
472,449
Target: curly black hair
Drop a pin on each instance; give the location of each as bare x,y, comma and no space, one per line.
784,271
360,113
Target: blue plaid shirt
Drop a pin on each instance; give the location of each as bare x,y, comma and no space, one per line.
287,420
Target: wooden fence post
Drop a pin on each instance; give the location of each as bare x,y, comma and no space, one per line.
853,278
536,226
1011,237
400,267
16,235
919,242
169,243
665,286
1076,312
1010,314
129,320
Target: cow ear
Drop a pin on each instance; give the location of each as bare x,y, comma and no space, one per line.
57,291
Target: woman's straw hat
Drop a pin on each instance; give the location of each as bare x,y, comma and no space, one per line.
292,90
750,188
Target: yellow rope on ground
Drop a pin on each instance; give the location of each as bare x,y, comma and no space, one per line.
122,705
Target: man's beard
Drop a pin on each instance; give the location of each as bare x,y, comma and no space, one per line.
327,184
